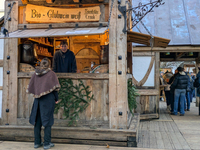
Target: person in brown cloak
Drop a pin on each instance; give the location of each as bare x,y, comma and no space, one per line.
43,85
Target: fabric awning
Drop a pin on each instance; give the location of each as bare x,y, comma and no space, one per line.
145,39
27,33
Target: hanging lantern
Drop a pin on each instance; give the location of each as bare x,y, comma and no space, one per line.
190,53
168,53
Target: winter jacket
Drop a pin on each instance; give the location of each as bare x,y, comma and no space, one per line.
180,81
198,89
46,104
171,81
64,62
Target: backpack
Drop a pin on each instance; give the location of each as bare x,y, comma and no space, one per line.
196,82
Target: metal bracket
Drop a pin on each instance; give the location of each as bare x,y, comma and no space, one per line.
4,31
119,72
50,26
25,27
76,26
122,9
100,25
119,57
120,113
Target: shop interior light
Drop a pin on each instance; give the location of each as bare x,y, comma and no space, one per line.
190,53
168,53
86,36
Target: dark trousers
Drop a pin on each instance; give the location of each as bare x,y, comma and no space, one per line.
37,130
187,100
167,94
172,101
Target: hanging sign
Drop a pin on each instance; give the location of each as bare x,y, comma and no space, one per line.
43,14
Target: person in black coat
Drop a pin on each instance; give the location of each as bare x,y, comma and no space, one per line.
180,85
64,60
43,85
172,91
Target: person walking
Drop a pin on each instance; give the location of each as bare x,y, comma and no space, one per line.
43,85
180,85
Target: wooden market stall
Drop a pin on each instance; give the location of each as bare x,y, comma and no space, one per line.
43,24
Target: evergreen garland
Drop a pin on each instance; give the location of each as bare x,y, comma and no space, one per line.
132,94
74,99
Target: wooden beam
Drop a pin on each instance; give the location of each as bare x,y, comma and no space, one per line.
62,25
148,116
145,39
143,53
180,55
180,59
157,81
1,63
95,76
113,121
148,92
102,10
10,87
76,41
71,133
168,49
117,82
66,2
88,57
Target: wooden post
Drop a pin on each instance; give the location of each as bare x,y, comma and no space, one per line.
117,82
10,79
157,79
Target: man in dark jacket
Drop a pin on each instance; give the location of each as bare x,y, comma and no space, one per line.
64,60
172,91
180,85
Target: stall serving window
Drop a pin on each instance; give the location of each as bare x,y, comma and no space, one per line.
90,50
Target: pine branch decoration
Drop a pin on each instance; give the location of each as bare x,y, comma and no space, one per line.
132,94
74,99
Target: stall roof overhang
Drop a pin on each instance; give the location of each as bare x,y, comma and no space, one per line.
141,38
178,20
27,33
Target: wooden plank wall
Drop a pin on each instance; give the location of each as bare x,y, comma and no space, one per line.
146,104
96,114
148,101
